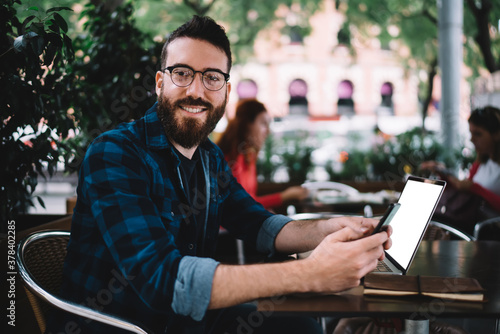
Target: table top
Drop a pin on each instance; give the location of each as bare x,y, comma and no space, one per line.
480,260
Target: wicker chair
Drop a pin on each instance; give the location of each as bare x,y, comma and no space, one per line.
40,258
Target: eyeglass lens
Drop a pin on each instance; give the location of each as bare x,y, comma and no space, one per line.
183,76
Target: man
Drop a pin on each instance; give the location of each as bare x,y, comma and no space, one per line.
152,195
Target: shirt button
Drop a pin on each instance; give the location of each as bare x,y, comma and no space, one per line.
190,246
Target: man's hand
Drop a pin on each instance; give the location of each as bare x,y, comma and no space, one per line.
343,258
303,235
360,224
339,261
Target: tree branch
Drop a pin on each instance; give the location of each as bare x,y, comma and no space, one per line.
198,7
432,18
430,87
482,37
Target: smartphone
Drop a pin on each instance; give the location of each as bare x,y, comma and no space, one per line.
387,217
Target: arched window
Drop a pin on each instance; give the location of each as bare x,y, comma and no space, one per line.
386,92
344,36
345,103
296,35
298,97
247,89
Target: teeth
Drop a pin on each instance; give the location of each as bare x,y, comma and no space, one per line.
193,110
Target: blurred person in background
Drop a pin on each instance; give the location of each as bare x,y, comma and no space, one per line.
483,184
241,142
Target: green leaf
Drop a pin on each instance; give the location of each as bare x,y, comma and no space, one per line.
37,27
61,22
27,20
54,27
38,44
57,9
49,54
35,8
68,44
40,200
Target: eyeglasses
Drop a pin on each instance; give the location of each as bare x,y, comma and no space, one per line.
183,76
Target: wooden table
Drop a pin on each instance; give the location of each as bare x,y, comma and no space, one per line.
480,260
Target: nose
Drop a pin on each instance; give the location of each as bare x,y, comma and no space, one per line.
196,88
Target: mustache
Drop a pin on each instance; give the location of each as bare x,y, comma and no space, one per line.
190,100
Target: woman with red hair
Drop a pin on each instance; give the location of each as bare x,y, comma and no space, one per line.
241,142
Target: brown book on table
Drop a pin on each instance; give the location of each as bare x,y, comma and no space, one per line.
456,288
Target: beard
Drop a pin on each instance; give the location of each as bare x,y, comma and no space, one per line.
188,132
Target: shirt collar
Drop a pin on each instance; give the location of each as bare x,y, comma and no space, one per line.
155,134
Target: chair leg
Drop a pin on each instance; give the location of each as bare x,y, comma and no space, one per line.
37,310
240,251
368,211
323,324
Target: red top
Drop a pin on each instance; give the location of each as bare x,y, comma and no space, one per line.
246,174
488,195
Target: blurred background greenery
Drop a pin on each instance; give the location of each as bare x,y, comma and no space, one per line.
72,70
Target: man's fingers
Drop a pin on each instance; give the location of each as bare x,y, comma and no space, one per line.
388,244
374,240
347,234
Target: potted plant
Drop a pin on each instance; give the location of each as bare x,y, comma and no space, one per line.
34,103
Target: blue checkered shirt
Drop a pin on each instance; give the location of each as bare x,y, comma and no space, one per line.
133,251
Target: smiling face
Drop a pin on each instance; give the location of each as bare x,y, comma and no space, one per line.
189,114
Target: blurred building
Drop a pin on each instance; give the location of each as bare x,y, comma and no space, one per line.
318,77
487,91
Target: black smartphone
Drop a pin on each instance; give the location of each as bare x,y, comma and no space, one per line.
387,217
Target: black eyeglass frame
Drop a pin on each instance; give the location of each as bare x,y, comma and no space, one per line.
171,68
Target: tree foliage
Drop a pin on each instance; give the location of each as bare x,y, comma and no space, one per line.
417,29
414,25
36,93
243,19
114,72
481,25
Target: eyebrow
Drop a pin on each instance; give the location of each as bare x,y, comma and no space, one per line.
203,70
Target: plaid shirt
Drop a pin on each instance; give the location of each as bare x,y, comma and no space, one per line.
133,251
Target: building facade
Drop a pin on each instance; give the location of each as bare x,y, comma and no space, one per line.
318,76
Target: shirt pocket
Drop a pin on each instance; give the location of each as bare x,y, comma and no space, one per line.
172,215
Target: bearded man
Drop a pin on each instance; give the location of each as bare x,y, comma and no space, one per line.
151,197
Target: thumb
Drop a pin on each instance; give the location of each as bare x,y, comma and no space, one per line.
347,234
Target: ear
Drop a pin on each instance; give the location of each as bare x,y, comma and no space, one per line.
228,84
159,82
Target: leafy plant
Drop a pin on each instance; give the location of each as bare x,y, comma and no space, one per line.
297,160
266,165
392,159
291,153
355,167
116,68
36,95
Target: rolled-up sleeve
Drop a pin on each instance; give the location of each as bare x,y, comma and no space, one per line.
193,286
268,232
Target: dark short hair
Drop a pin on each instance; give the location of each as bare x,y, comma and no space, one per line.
488,118
203,28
